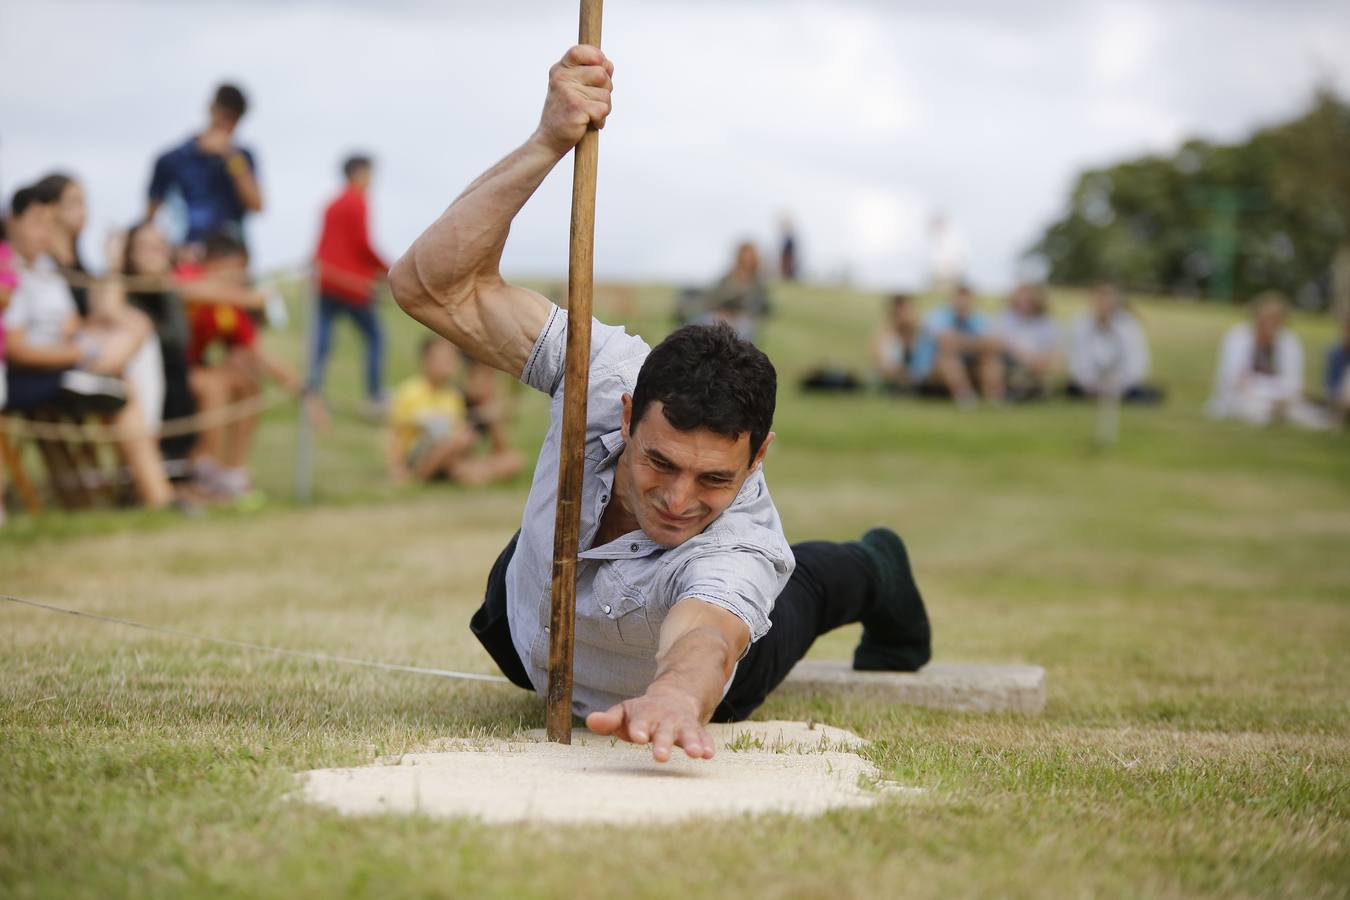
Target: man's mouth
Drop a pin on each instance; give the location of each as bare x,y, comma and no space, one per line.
674,520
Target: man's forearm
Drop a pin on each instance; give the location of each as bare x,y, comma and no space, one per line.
697,665
466,241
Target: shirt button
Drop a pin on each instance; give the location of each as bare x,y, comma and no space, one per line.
604,498
632,548
606,608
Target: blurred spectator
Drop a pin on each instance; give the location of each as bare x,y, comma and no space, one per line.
9,280
1031,342
430,437
740,298
957,350
145,369
227,366
348,269
787,251
66,197
1260,374
1337,379
947,255
1108,351
895,345
487,413
52,359
215,178
147,265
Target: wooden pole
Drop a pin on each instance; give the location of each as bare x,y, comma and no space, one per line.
576,383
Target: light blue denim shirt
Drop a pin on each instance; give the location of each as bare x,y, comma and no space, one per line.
625,588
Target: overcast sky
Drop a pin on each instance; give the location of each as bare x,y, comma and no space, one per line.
860,118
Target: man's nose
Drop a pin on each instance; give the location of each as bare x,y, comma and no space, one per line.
680,496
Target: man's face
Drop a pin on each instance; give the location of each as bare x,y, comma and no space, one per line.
675,483
223,119
31,232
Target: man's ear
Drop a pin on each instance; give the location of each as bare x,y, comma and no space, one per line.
763,449
627,415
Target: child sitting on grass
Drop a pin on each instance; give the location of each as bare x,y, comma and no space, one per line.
227,366
430,437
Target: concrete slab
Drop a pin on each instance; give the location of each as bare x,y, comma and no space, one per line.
965,687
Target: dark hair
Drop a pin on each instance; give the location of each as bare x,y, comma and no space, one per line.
25,197
704,376
353,164
231,99
896,301
128,263
51,187
222,245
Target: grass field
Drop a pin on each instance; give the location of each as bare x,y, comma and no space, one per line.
1188,593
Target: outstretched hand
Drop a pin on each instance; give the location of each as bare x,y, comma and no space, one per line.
662,717
579,88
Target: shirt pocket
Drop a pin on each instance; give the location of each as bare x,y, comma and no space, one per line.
621,609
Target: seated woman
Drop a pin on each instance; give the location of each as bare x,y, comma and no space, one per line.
102,310
51,358
1031,341
147,271
740,298
430,435
1260,374
895,346
1108,352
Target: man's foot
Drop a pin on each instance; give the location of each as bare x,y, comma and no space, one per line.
97,393
896,636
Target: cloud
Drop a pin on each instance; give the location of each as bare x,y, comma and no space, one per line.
858,116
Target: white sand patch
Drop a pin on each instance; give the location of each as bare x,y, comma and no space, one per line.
759,767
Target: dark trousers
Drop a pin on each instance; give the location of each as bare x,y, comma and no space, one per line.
832,585
367,322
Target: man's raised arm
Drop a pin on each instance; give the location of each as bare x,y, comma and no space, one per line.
449,279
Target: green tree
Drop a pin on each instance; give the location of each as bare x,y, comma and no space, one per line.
1219,220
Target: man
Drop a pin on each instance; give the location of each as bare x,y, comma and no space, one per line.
348,267
216,179
683,566
53,360
956,350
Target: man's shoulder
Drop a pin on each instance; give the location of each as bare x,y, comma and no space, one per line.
180,152
750,522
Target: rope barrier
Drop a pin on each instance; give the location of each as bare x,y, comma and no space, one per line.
112,434
262,648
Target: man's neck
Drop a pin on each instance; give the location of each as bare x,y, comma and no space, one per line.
617,520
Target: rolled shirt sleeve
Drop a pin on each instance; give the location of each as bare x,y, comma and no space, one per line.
744,579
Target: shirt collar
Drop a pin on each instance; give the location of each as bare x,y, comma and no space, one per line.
613,443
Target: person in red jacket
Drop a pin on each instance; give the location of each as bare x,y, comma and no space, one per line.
348,269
